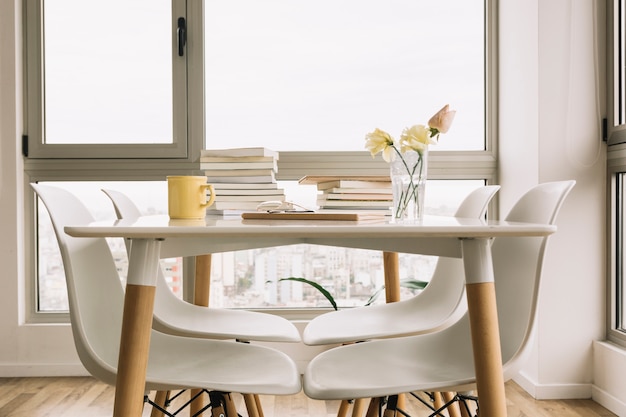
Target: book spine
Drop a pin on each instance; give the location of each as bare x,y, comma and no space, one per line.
238,172
257,198
353,184
240,166
241,180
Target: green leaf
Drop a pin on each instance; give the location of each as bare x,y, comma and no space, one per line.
375,295
413,284
317,286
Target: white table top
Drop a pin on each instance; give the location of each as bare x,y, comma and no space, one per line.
161,226
436,235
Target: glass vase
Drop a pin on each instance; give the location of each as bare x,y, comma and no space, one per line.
408,178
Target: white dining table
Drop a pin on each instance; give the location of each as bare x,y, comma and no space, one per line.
155,237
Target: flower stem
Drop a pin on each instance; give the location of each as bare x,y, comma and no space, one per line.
412,192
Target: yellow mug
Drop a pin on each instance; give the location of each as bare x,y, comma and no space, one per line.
187,197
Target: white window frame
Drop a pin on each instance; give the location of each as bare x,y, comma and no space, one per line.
616,165
35,131
154,162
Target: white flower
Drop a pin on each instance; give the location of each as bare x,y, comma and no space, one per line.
379,141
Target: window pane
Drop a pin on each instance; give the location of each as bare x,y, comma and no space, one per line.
108,71
251,278
319,75
248,278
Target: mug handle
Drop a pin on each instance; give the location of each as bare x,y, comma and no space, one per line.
212,197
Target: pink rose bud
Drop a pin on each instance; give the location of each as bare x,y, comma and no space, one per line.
442,120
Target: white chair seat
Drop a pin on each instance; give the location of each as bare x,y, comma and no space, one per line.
439,361
219,365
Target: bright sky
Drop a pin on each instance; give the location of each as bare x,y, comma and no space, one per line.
288,75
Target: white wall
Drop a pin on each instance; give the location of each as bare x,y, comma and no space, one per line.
24,349
550,119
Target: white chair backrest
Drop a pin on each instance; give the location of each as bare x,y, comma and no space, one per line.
165,301
476,202
124,207
447,284
94,290
517,264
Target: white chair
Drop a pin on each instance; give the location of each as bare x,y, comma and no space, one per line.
443,360
96,301
441,303
175,316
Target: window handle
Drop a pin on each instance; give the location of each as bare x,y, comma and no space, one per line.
181,32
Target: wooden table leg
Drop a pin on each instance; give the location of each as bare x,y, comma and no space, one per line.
392,276
483,314
391,264
202,282
136,328
135,344
201,293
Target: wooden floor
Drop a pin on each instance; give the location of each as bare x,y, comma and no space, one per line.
85,397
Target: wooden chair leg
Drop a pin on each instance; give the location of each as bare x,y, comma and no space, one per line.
251,405
372,410
453,409
257,399
160,399
392,407
437,400
343,408
231,410
464,412
401,402
197,404
358,407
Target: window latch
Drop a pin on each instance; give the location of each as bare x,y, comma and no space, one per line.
181,32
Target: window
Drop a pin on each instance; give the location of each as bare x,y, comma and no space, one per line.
309,81
616,166
320,75
103,81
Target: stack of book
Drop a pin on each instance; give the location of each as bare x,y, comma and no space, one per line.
242,177
362,193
